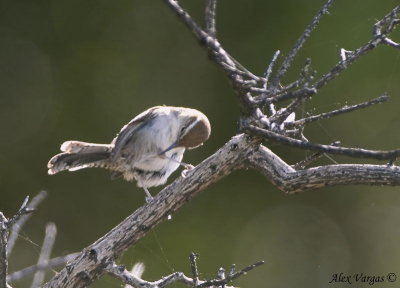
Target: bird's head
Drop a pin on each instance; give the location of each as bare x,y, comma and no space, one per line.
194,129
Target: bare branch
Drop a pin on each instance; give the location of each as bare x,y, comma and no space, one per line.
24,209
231,66
121,273
268,72
212,45
34,203
3,251
313,157
340,111
229,278
5,226
195,270
351,152
379,36
137,271
291,181
391,43
302,93
210,17
300,42
47,247
52,263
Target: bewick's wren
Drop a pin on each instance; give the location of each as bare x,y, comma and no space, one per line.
147,149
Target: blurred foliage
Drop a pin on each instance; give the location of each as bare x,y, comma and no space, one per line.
82,69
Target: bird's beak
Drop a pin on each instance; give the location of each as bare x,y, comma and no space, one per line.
168,149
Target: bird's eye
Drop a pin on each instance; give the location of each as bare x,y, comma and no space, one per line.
183,129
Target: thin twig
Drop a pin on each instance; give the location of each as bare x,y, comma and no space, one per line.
232,270
210,16
302,93
221,276
229,278
300,42
304,79
47,247
137,270
345,109
52,263
24,209
391,43
3,251
379,37
351,152
211,43
312,158
268,72
193,266
5,226
221,57
125,276
33,204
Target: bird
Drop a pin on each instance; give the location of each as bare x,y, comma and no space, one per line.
148,149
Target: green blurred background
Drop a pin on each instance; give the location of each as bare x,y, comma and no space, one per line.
82,69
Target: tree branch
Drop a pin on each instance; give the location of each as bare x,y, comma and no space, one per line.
3,251
291,181
379,37
47,247
5,226
129,278
236,72
210,16
54,262
22,220
352,152
300,42
340,111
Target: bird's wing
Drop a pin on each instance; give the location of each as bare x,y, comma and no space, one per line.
128,132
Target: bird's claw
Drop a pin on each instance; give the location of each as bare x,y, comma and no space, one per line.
188,167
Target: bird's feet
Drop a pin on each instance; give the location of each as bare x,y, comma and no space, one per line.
188,167
148,198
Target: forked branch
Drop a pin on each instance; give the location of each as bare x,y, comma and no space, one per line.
134,280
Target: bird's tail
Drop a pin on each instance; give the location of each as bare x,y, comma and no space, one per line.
78,155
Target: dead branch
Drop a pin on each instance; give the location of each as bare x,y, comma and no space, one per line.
5,226
3,251
381,31
345,109
126,277
290,180
352,152
34,203
52,263
300,42
47,246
